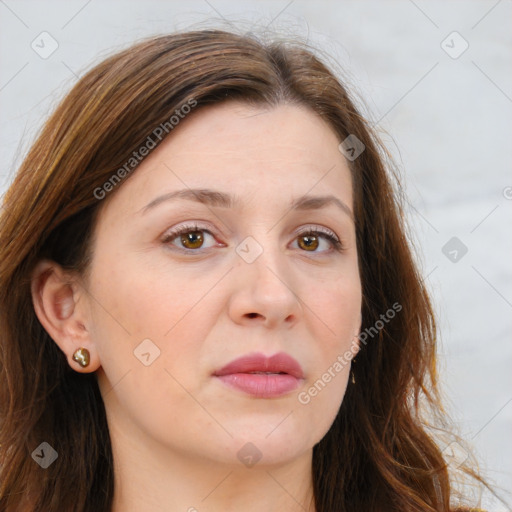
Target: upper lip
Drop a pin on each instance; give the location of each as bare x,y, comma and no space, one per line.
256,362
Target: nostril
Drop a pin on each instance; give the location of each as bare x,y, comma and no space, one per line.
252,315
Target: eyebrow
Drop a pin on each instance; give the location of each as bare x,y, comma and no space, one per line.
220,199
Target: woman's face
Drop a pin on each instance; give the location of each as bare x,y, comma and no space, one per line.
182,284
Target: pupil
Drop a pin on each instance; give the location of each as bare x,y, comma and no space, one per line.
309,242
193,238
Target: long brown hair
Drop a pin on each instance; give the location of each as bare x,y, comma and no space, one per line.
377,455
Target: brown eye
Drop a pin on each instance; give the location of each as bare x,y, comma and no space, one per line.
308,242
192,239
318,240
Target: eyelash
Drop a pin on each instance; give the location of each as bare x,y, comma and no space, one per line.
317,231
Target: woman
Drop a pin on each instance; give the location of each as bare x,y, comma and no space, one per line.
200,241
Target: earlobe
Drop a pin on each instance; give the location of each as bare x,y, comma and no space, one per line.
61,310
82,356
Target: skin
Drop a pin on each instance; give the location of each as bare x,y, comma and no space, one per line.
175,429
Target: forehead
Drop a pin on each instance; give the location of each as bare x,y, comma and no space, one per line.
254,152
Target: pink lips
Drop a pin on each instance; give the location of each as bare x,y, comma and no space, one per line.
261,376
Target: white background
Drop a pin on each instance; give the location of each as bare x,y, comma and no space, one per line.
447,121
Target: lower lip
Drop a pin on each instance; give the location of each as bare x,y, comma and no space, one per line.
261,385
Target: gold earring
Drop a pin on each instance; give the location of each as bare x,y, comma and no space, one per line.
353,379
82,357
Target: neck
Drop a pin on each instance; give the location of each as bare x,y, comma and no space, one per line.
174,482
161,479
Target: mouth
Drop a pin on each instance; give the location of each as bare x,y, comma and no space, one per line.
267,373
261,376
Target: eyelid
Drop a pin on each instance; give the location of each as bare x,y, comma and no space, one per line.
173,233
319,228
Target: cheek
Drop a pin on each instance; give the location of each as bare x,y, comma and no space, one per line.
319,400
337,315
149,343
137,301
149,326
336,303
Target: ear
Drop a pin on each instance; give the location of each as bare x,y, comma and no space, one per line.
61,306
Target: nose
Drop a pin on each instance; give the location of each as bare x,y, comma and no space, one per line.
263,294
